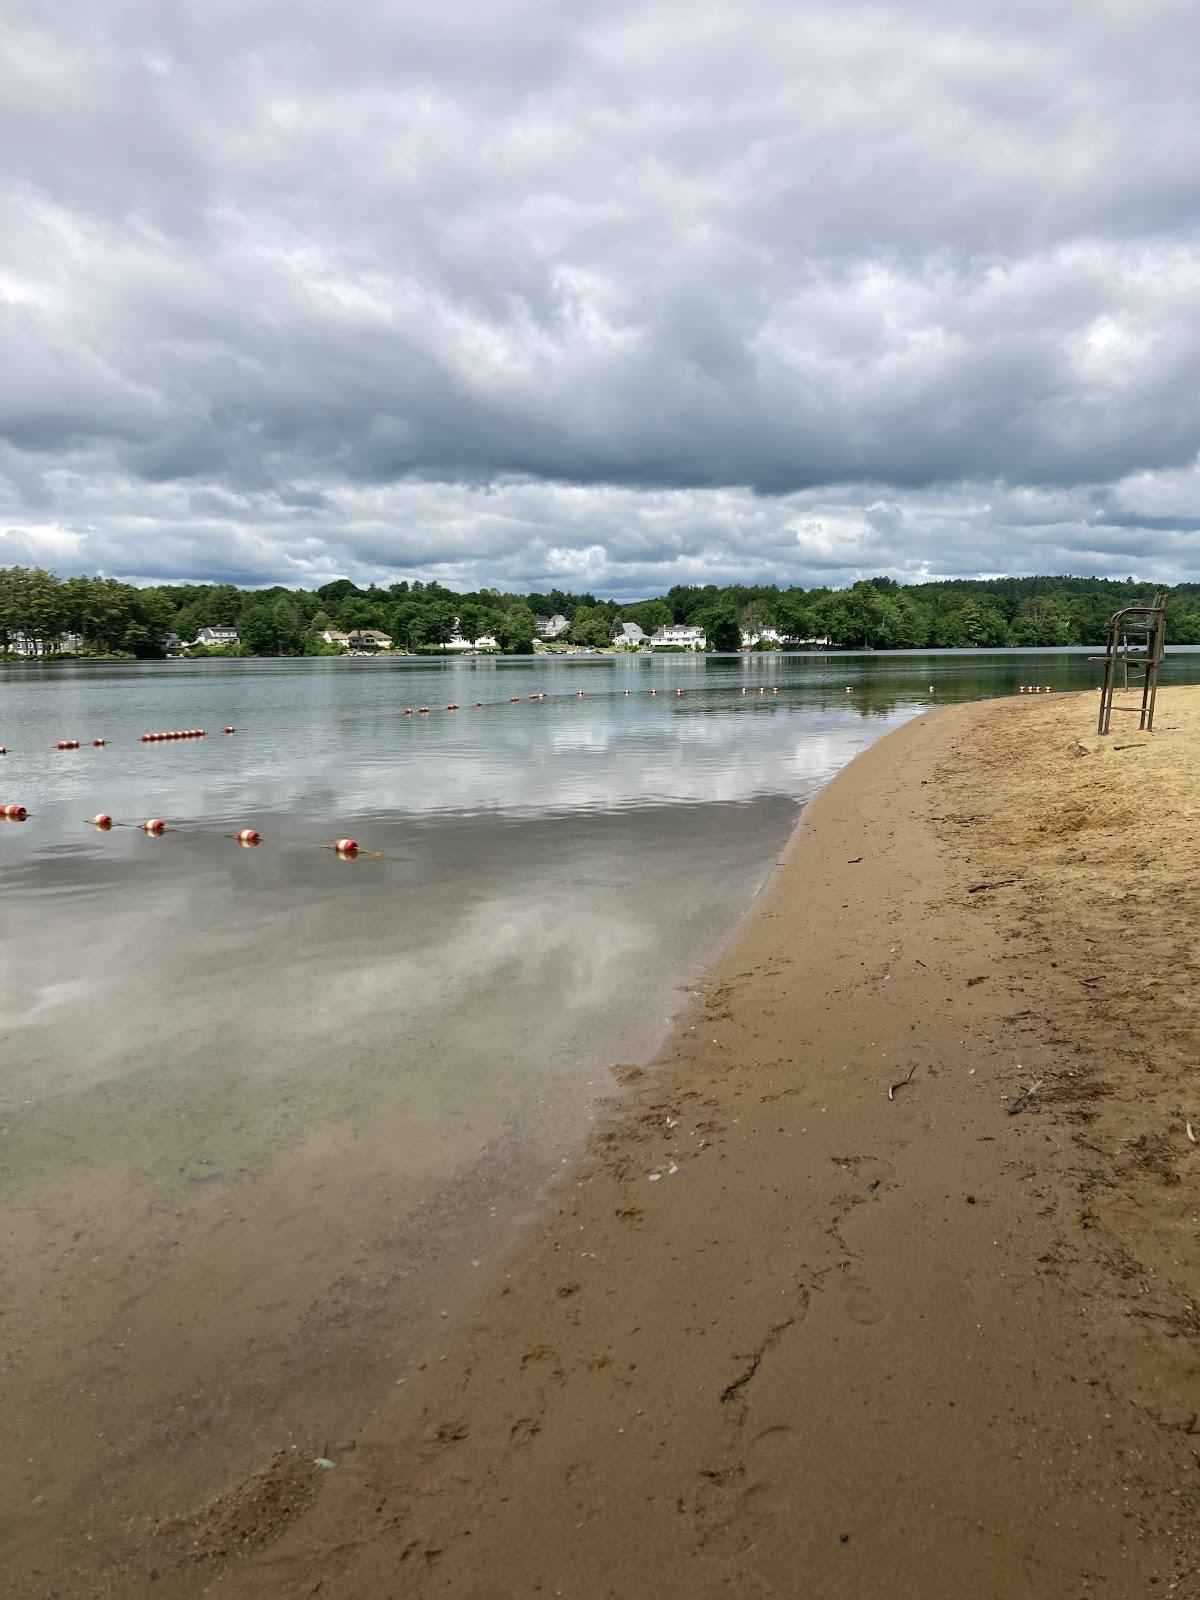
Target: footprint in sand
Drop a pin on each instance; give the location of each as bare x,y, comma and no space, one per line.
862,1303
769,1465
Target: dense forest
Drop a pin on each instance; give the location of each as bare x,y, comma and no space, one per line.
112,618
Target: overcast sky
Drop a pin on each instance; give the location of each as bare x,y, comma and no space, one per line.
600,295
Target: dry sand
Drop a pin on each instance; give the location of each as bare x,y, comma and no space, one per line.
783,1334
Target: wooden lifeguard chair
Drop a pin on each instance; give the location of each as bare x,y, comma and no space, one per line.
1135,643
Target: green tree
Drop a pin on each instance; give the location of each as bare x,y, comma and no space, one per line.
650,615
437,622
722,629
591,626
469,624
515,632
288,625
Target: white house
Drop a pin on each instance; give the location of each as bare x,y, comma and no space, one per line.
551,629
678,634
25,644
485,641
335,636
368,639
216,636
764,636
628,636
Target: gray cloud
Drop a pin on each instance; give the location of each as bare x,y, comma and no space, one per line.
614,295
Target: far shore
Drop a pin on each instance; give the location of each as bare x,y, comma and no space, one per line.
880,1281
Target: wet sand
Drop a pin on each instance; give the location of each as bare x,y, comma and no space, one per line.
784,1332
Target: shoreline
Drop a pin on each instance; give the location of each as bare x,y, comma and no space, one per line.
776,1322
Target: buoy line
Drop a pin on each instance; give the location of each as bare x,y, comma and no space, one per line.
156,826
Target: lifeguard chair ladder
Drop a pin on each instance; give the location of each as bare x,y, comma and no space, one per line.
1135,641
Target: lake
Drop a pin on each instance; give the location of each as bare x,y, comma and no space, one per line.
268,1112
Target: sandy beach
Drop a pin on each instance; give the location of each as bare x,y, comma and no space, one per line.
881,1280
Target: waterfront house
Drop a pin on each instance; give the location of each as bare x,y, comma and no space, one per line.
30,644
216,636
485,641
336,636
763,636
368,639
682,637
628,636
550,628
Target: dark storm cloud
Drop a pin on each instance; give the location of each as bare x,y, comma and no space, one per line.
614,295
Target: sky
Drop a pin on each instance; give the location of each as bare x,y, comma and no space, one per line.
600,296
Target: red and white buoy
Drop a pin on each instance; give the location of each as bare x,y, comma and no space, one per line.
13,813
96,743
3,749
478,703
102,820
68,744
626,691
452,707
248,836
422,711
346,847
679,691
154,825
230,730
408,711
654,691
849,689
515,699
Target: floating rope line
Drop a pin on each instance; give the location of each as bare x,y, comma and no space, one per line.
348,850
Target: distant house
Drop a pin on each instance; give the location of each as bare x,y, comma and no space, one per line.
216,636
335,636
680,636
485,641
368,639
628,636
171,641
763,636
551,628
27,644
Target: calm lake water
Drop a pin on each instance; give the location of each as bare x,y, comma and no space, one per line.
266,1111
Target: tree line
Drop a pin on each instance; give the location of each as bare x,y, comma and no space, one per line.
121,619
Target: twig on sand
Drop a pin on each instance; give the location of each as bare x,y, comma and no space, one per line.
903,1081
1000,883
1025,1099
